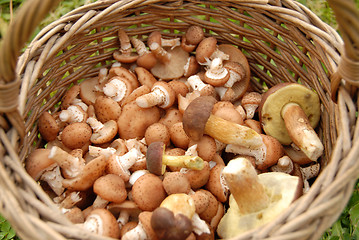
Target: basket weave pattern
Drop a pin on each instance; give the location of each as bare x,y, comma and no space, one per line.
282,40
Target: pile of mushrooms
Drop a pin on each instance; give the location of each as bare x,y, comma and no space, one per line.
171,142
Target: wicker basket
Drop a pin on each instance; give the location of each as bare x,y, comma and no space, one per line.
282,39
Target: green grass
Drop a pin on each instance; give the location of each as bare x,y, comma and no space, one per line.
347,225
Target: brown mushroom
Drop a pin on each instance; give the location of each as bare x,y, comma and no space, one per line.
216,75
143,230
106,109
193,36
157,132
125,54
148,192
157,160
146,58
48,127
102,133
250,102
76,135
198,120
216,183
102,222
118,89
161,95
178,136
290,112
176,182
197,84
207,50
40,167
145,77
109,188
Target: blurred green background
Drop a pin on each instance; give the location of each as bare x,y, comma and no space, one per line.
346,228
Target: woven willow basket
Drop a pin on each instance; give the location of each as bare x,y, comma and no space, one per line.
282,39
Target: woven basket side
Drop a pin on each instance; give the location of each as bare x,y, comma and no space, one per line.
283,41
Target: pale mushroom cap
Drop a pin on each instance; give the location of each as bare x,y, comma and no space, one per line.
102,222
106,134
110,187
282,189
276,98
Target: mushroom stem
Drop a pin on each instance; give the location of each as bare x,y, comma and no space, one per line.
155,97
95,124
72,165
243,182
301,132
192,162
232,133
116,89
196,83
161,54
54,179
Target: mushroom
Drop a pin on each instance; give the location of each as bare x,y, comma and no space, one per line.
197,178
207,50
216,183
143,230
193,36
201,200
73,113
174,67
85,179
88,90
216,75
145,77
146,58
102,133
71,165
40,167
176,182
157,132
106,109
126,211
182,204
172,116
192,67
70,98
178,136
48,127
198,85
289,112
76,135
156,36
142,90
157,160
198,120
125,54
109,188
120,165
134,120
148,192
285,164
117,88
255,199
250,102
161,95
102,222
206,147
122,72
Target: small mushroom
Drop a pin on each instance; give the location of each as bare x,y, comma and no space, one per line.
48,127
146,58
126,211
143,230
192,67
118,89
198,120
172,116
157,132
125,54
289,112
122,72
40,167
102,133
207,50
145,77
198,85
206,147
157,160
193,36
148,192
85,179
250,102
106,109
255,199
156,36
88,90
109,188
161,95
285,164
197,178
176,182
216,183
216,74
178,136
73,113
102,222
76,135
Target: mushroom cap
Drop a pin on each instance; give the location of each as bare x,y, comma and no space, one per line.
48,127
276,98
196,115
174,68
106,134
127,205
178,136
145,77
134,120
168,226
282,189
198,178
145,219
154,156
147,60
201,201
216,183
38,161
76,135
110,187
194,35
206,147
157,132
106,109
176,182
88,93
205,49
125,58
69,97
102,222
148,192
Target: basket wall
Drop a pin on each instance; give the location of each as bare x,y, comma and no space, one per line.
283,41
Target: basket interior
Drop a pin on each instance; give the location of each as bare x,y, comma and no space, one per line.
276,40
